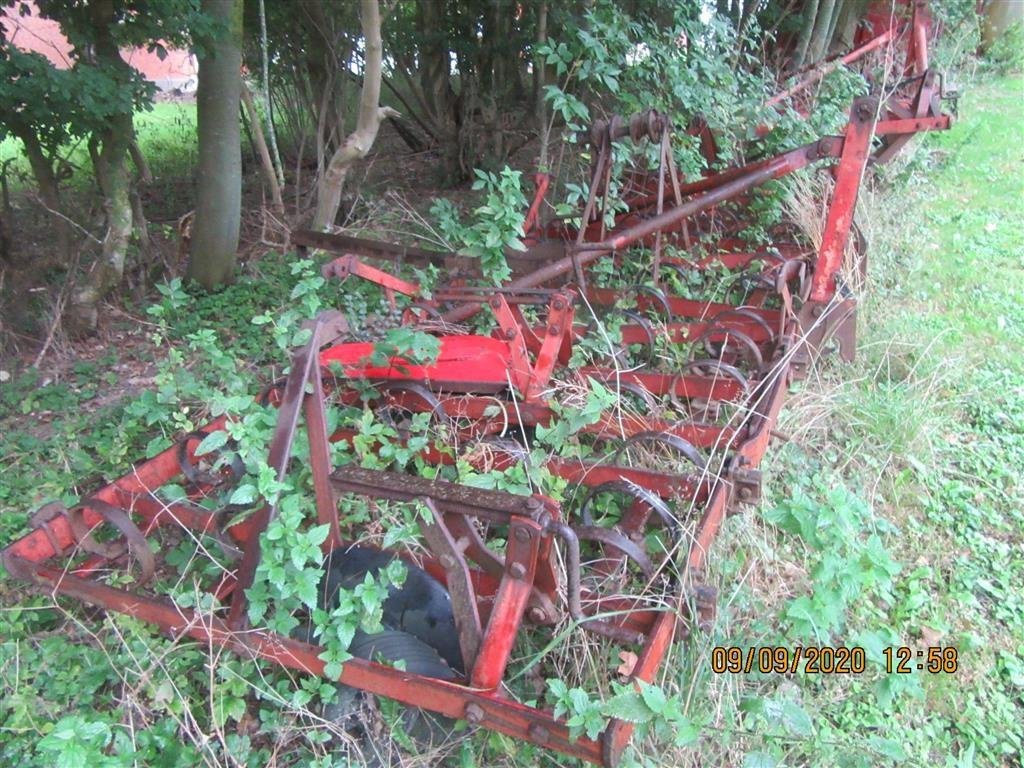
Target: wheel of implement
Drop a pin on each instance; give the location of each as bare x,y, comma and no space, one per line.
419,634
421,607
390,647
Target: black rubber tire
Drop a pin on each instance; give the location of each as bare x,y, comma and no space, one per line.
419,633
421,607
393,645
426,729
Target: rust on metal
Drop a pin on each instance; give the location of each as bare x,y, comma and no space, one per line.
684,455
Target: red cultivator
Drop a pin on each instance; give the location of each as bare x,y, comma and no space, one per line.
673,464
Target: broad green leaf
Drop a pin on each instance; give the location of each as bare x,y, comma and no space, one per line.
243,494
628,706
212,442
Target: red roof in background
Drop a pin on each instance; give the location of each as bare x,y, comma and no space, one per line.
38,35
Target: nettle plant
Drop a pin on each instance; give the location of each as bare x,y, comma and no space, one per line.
691,67
285,595
497,223
687,68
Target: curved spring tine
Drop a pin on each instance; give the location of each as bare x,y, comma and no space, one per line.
436,406
747,314
748,281
710,366
675,442
707,367
644,323
657,505
756,358
681,267
638,492
640,391
122,521
613,538
193,473
658,295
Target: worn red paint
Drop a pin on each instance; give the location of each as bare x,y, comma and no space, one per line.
484,387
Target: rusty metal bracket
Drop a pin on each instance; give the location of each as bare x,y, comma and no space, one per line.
459,582
745,482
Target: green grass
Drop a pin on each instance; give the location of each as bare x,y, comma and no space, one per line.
916,458
166,137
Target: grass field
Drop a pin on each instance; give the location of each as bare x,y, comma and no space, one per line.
898,516
894,517
165,133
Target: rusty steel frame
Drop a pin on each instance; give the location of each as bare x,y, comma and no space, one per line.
755,349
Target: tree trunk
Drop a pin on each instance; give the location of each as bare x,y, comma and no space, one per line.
115,183
839,10
49,191
219,187
5,245
538,67
819,38
1000,15
359,142
271,131
846,28
264,153
110,151
435,66
804,41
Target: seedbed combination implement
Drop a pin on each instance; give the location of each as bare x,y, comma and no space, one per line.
622,552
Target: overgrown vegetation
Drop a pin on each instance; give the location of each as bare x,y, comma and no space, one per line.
911,532
907,533
895,518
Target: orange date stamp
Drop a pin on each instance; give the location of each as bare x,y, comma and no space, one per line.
780,659
829,660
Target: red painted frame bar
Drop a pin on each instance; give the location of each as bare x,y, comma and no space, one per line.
849,172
